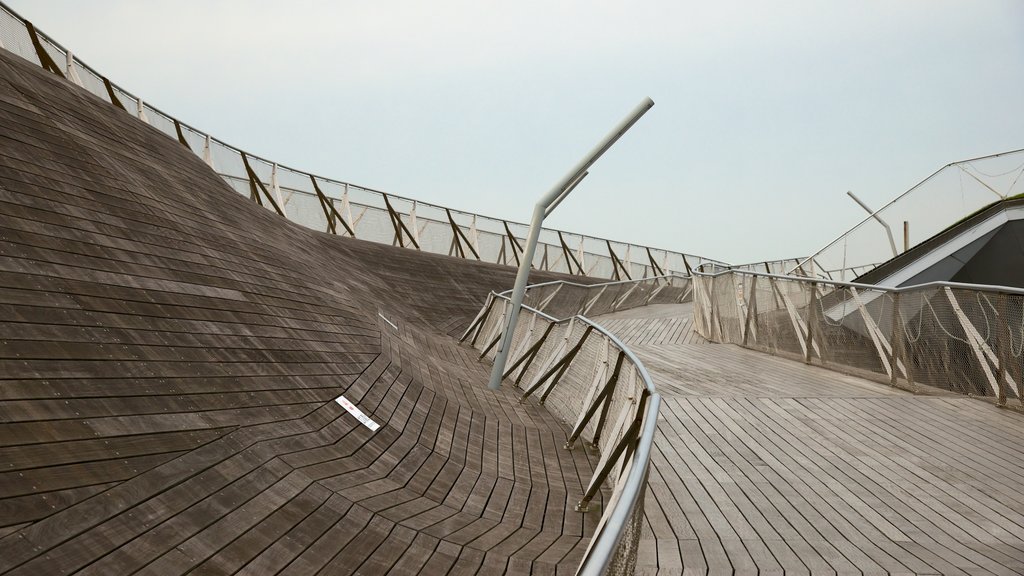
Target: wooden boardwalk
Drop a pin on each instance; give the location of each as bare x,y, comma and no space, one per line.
170,356
635,326
768,466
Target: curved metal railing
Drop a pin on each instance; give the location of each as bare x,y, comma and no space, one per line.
963,338
943,198
566,298
587,377
607,553
344,208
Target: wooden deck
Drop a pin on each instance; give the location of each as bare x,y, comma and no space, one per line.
768,466
170,356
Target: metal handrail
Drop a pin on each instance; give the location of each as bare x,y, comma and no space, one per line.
618,343
897,199
406,198
891,289
607,541
604,546
149,108
598,284
819,281
951,336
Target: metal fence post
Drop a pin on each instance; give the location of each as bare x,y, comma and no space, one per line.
1002,348
811,319
897,340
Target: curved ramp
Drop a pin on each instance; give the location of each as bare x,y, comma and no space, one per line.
764,465
170,357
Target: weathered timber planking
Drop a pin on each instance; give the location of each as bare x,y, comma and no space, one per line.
170,355
768,466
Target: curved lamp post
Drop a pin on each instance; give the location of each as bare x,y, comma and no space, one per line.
545,206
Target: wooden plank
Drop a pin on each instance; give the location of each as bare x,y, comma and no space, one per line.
815,472
172,355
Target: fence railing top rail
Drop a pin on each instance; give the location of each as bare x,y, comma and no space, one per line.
605,544
892,289
595,285
648,383
895,201
185,126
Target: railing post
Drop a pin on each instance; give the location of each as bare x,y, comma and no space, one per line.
905,352
558,369
581,257
631,435
601,401
72,72
811,320
474,236
207,148
45,60
478,322
751,309
412,223
974,340
1003,351
715,329
140,111
897,340
177,125
275,186
529,355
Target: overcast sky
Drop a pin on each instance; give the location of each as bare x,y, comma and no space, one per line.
766,112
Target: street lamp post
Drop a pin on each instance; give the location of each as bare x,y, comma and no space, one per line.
544,206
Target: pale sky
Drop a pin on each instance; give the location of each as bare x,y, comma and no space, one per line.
766,112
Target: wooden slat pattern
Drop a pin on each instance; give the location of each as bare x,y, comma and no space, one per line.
169,358
768,466
674,325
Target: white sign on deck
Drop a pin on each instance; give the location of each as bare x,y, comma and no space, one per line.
353,410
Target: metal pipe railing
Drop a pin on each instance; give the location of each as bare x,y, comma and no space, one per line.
168,124
597,284
895,202
607,541
890,289
958,337
874,214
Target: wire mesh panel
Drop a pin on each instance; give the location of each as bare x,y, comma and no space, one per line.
564,299
589,381
937,202
347,209
966,340
14,36
560,299
565,396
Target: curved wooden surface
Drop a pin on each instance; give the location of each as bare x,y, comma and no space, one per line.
768,466
170,356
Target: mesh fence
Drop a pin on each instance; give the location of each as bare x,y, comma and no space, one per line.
960,339
781,267
937,202
584,378
348,209
563,299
